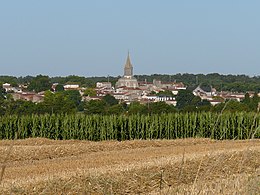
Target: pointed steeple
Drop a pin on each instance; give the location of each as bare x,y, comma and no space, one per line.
128,70
128,61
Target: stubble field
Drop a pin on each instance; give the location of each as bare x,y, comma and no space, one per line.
187,166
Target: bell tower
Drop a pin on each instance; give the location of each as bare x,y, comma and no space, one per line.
128,80
128,69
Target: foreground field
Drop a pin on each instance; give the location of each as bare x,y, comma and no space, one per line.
188,166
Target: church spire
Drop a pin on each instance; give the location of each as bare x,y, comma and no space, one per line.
128,70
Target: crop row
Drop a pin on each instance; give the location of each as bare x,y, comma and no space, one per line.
122,127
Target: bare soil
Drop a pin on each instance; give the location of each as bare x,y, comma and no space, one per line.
188,166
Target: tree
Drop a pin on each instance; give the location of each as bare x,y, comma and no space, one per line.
196,100
2,93
59,102
95,107
203,103
137,108
254,102
72,95
204,108
20,107
40,83
9,79
184,98
206,87
189,108
90,92
186,101
59,87
2,106
247,99
231,106
110,100
251,103
153,93
165,93
160,107
116,109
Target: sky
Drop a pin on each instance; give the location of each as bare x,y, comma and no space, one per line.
92,38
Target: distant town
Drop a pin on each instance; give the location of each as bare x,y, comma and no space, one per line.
128,89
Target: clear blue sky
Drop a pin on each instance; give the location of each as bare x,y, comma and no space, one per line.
91,38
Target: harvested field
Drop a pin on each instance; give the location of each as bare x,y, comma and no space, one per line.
188,166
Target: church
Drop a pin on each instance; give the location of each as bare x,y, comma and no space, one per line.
128,80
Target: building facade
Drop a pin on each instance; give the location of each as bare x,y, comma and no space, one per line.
128,80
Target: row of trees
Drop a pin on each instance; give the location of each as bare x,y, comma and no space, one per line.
43,82
70,102
59,102
238,83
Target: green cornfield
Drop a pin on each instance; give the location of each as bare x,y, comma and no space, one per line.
240,125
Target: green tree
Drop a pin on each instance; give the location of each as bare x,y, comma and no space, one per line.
230,106
59,87
58,103
204,108
255,101
116,109
2,106
189,108
9,79
203,103
184,98
153,93
20,107
247,99
72,95
137,108
160,107
206,87
96,107
251,103
165,93
2,93
90,92
196,101
110,100
40,83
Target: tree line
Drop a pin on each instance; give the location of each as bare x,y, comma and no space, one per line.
236,83
70,102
